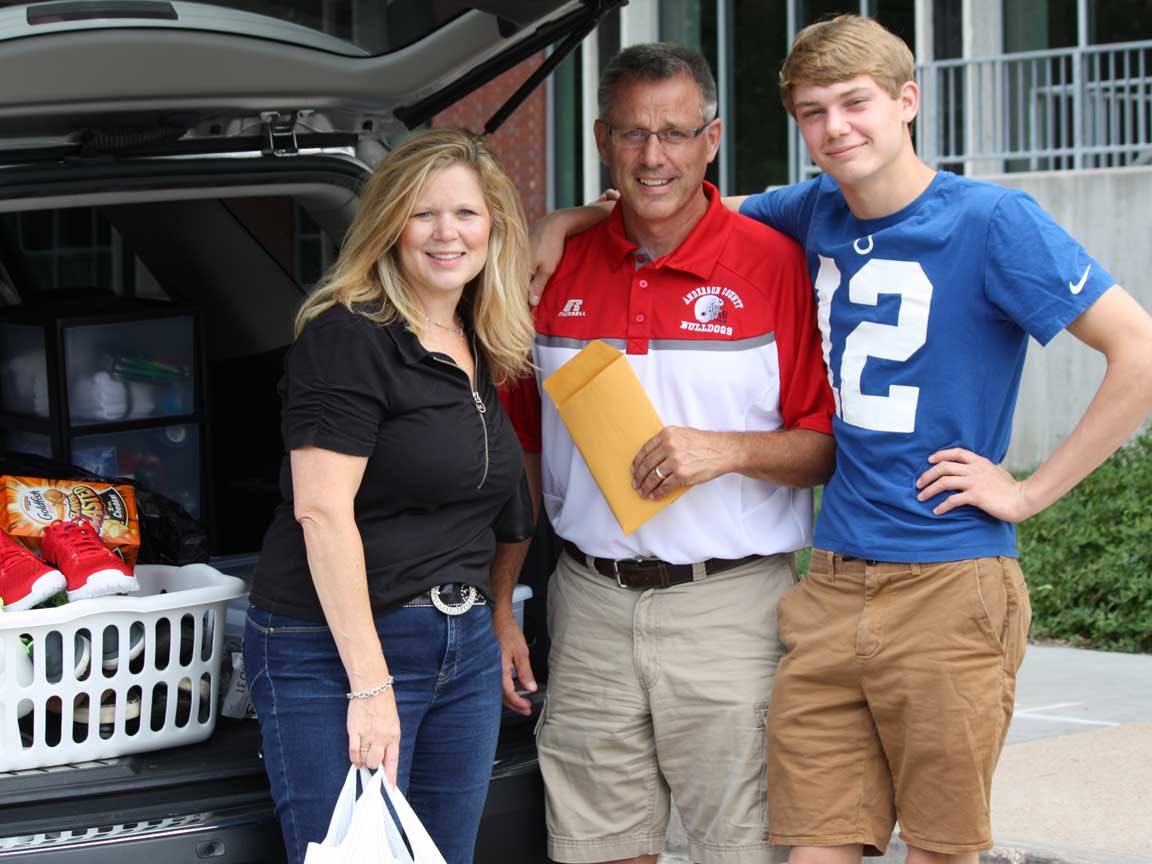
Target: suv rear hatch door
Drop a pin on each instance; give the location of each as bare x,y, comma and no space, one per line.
172,76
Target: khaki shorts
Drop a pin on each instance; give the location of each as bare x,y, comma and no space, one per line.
894,700
655,695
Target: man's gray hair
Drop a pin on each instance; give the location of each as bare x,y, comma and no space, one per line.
657,61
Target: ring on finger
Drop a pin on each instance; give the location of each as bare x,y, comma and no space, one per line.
364,748
659,473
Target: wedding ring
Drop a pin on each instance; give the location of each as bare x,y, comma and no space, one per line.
658,474
364,748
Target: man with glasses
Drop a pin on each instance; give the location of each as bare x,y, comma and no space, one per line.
664,642
904,639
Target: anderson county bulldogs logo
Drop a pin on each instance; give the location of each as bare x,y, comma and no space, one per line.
710,309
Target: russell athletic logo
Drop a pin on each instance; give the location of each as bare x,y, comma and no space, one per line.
710,304
572,309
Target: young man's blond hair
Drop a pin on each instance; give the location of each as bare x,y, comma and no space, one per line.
843,48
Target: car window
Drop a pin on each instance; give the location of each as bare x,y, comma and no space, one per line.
369,27
289,234
77,253
378,28
69,254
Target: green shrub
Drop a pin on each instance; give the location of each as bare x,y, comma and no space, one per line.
804,556
1088,558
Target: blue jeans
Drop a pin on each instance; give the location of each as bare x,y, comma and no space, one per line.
448,693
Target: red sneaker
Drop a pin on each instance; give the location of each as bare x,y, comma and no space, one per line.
90,567
26,579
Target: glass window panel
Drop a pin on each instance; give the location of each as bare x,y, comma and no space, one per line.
607,47
709,45
680,22
1119,21
757,123
372,25
568,127
74,252
76,227
1039,25
947,16
316,251
808,11
899,16
35,229
694,23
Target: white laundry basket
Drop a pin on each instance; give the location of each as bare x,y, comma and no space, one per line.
150,661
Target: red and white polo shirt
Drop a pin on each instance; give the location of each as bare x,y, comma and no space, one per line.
722,335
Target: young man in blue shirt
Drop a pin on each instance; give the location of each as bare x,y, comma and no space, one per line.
903,642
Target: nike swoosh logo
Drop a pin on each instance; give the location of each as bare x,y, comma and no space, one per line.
1079,286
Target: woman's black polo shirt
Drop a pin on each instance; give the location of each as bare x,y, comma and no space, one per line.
441,472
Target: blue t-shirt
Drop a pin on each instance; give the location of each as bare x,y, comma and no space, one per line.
924,320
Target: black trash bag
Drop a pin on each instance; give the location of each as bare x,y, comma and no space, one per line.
168,535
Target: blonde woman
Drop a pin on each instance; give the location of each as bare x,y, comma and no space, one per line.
369,639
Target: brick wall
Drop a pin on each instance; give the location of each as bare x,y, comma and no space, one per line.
521,143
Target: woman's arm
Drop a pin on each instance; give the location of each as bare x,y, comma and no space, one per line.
324,486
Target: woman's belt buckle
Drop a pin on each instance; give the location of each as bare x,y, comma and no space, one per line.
468,592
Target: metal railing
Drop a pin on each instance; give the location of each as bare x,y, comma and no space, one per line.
1039,110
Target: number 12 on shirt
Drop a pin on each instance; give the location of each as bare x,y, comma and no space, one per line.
896,411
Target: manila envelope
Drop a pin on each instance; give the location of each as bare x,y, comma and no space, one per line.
610,418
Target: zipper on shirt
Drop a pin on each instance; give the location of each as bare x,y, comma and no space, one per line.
477,401
481,409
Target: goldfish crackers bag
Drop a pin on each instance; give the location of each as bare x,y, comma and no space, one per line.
31,504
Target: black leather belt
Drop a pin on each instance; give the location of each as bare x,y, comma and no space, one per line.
652,572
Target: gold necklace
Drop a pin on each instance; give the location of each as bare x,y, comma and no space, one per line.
455,331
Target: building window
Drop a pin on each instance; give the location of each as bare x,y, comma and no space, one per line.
756,122
1119,21
694,23
567,132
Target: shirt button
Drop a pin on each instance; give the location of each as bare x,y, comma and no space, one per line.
640,318
643,283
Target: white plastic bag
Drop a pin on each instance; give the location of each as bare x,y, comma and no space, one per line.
359,830
362,830
424,851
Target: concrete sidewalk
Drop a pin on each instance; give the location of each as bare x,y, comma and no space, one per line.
1074,784
1075,780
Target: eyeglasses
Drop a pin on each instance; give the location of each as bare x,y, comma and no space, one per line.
634,139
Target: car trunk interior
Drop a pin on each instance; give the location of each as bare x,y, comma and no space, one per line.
239,249
237,242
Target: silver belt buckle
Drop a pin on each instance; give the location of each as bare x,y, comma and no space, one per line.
637,559
616,570
469,601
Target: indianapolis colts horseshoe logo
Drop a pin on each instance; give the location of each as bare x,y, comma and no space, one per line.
862,250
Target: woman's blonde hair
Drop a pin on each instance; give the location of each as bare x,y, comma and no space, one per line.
844,48
367,277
